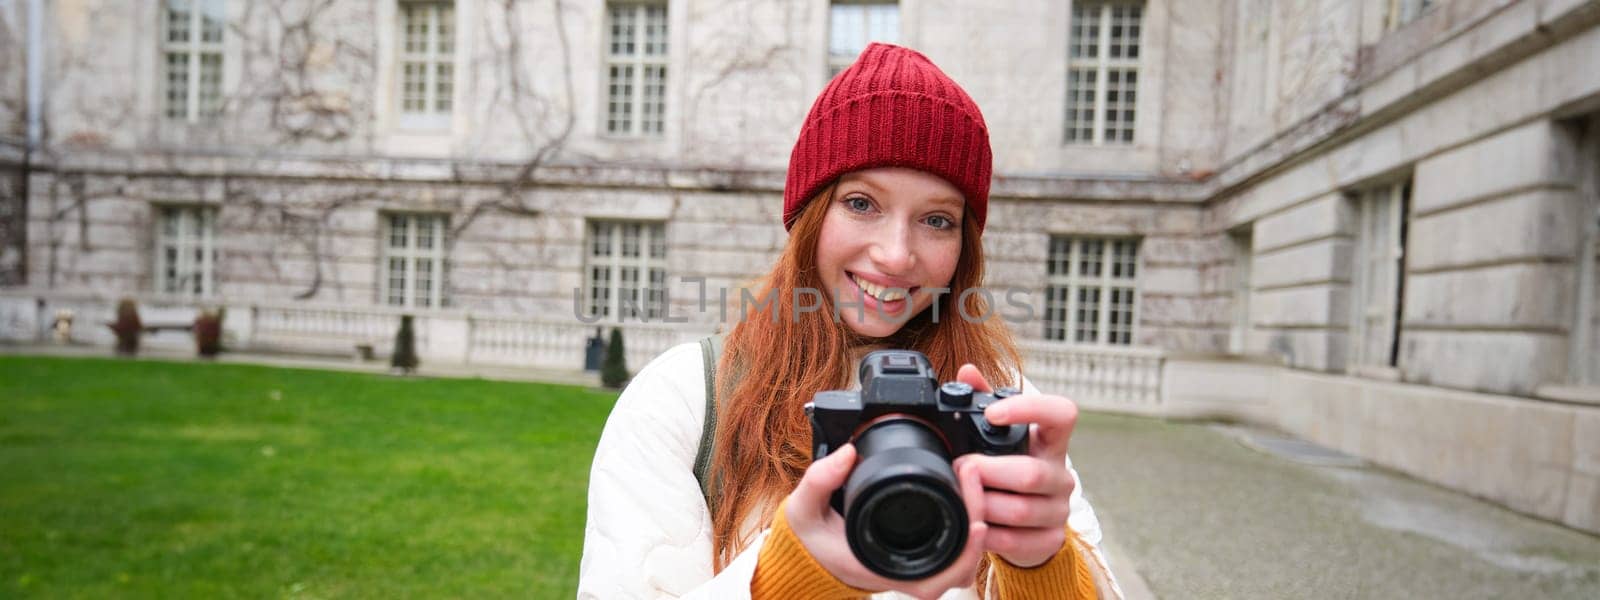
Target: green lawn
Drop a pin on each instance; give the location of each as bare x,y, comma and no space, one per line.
157,479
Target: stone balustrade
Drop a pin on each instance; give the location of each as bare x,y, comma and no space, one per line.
1117,379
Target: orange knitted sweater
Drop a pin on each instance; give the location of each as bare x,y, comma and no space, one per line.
785,569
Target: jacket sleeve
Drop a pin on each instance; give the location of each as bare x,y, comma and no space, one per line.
648,533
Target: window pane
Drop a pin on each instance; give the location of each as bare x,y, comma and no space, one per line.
1081,90
210,84
1090,279
425,227
622,29
599,294
416,27
883,23
423,292
197,258
656,302
1055,315
628,292
212,17
177,85
414,87
630,240
1121,317
445,43
1088,317
1090,255
847,26
600,234
1119,105
633,253
1060,251
397,281
652,116
1104,38
444,87
658,241
178,16
169,222
1125,255
620,95
397,231
170,274
852,26
655,30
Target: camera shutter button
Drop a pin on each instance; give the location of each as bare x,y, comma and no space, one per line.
1000,430
996,430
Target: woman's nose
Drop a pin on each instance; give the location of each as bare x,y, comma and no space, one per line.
893,253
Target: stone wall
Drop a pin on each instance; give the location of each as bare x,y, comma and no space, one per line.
1300,279
742,76
317,240
1490,276
1490,269
1534,457
13,70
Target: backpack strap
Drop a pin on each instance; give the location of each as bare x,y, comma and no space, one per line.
710,352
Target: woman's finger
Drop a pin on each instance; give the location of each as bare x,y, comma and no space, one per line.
971,491
810,496
970,375
1020,474
1006,509
1055,417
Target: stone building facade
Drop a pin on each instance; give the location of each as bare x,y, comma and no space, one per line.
1369,223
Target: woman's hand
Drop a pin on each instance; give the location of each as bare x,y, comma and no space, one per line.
821,529
1026,499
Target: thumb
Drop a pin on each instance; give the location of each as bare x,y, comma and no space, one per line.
970,375
821,479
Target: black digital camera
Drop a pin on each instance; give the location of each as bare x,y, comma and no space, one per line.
902,507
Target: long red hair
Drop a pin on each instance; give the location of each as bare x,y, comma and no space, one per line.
775,366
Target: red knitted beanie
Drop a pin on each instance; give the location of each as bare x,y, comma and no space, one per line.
892,108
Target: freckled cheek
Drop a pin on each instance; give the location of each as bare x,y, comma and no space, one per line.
939,262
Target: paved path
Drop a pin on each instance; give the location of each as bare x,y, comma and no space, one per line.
1199,514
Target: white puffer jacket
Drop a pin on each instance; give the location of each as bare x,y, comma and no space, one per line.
649,531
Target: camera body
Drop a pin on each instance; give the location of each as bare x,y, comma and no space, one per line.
904,517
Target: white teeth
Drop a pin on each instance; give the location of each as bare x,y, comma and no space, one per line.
878,291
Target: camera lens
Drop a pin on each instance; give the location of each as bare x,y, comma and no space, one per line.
904,519
903,516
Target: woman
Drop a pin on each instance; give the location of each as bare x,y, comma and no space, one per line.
885,202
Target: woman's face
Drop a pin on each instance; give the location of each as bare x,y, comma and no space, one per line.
888,228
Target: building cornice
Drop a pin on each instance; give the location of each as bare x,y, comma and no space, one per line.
375,169
1431,58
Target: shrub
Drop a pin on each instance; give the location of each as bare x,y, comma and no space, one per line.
128,327
614,372
405,347
208,332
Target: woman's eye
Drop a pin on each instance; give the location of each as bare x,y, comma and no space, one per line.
858,204
939,222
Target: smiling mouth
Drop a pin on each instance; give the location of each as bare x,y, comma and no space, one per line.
880,293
